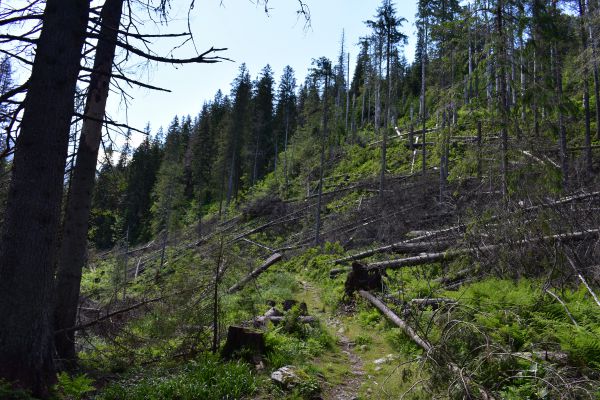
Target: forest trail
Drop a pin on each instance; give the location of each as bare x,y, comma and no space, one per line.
351,382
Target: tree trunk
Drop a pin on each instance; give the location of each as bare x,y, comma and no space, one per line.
503,98
321,169
593,12
255,273
384,132
562,134
586,90
423,100
72,255
32,215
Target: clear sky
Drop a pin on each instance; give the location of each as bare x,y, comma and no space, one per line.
252,37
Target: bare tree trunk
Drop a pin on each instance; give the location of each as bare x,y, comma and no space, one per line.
593,12
348,94
384,132
501,56
423,101
285,149
73,248
586,89
324,137
562,141
536,120
479,151
32,215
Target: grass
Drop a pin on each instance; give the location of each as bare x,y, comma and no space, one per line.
204,379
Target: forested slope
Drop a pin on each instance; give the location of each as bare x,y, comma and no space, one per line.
427,229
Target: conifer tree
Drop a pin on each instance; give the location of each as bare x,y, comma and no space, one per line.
265,143
286,115
238,134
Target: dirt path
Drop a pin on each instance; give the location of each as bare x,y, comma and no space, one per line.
347,390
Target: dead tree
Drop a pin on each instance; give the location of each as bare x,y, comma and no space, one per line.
28,256
255,273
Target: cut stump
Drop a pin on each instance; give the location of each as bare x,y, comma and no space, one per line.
244,342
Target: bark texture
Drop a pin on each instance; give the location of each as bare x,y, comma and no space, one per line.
31,220
72,256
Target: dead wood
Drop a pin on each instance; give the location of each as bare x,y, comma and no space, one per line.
254,274
452,254
244,341
423,343
434,301
362,279
400,247
109,315
562,303
286,218
263,319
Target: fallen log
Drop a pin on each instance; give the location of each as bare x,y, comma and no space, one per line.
422,343
434,301
252,275
400,247
285,218
265,318
452,254
407,262
422,235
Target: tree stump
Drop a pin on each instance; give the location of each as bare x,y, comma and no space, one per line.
244,343
288,304
360,278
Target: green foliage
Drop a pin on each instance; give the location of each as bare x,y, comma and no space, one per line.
401,342
284,349
73,387
7,392
519,316
204,379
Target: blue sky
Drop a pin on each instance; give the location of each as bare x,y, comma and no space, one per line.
251,36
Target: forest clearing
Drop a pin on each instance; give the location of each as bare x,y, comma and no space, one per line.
416,229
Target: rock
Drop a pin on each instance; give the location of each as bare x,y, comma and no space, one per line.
287,377
385,360
341,330
273,312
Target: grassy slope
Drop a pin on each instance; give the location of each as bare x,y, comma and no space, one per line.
143,359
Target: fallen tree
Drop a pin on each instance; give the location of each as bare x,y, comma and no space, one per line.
424,344
400,247
452,254
254,274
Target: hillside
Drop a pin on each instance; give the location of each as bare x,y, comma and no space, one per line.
424,229
494,297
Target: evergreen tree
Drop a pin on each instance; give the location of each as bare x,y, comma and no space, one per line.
265,143
141,177
286,114
238,134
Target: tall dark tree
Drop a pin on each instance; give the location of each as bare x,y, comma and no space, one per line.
322,72
73,247
265,143
286,114
141,177
28,250
386,28
239,132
